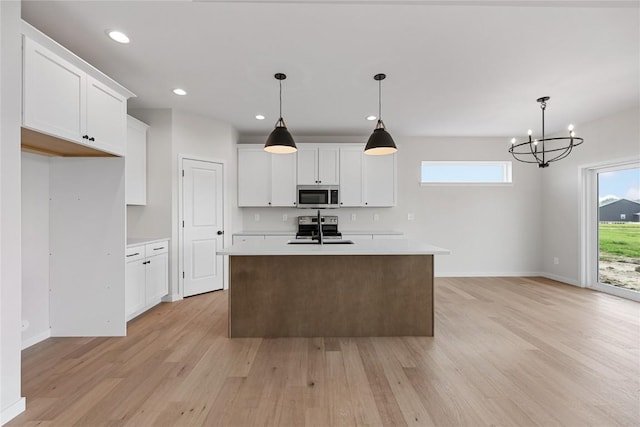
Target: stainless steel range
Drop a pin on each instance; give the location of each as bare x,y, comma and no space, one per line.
308,227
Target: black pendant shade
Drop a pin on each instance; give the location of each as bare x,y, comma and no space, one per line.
280,140
380,141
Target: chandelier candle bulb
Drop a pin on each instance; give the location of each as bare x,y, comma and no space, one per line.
570,128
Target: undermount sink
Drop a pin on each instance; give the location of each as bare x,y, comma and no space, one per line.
324,242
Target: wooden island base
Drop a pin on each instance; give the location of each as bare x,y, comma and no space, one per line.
331,296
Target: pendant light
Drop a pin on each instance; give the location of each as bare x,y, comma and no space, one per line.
380,142
280,140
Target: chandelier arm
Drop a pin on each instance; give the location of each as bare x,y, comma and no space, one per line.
561,156
535,154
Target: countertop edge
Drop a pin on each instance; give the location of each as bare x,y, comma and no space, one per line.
139,241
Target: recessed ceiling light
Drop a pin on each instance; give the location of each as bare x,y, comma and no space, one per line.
371,118
260,117
118,36
180,92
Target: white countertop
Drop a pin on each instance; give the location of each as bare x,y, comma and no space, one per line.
360,247
135,241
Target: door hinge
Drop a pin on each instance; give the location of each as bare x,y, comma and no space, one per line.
183,274
182,172
182,224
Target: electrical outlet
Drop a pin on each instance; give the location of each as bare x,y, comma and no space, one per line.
376,217
556,260
353,217
411,217
285,217
256,217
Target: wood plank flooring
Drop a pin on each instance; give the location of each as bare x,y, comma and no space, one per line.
506,352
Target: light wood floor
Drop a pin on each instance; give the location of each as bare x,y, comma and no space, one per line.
506,351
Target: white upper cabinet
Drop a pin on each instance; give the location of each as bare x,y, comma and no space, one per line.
365,180
379,180
136,162
53,93
283,179
265,179
254,170
351,176
318,165
62,100
106,117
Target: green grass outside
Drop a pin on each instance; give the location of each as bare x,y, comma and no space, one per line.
620,240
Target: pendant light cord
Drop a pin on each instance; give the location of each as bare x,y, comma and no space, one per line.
379,99
280,98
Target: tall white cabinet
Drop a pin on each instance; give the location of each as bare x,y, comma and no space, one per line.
136,162
76,113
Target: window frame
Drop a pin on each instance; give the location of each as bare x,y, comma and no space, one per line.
507,173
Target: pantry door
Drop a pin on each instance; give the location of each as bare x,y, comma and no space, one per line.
202,222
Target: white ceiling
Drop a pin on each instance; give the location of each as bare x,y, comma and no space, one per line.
454,68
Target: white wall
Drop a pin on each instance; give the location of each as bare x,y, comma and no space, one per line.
11,403
610,138
491,230
173,133
35,249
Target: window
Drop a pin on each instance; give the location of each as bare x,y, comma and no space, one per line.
471,172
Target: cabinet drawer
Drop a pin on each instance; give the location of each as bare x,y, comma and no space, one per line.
157,248
134,253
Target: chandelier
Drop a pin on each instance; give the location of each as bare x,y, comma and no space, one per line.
545,150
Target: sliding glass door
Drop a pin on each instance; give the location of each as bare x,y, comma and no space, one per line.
618,229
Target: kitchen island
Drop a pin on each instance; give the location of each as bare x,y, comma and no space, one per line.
368,288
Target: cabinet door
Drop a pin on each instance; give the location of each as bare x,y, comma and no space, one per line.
307,165
106,117
351,176
134,296
254,172
283,179
379,180
53,94
328,166
157,280
136,163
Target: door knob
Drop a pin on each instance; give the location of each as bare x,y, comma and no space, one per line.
220,232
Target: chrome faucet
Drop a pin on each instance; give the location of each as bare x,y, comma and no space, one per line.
319,235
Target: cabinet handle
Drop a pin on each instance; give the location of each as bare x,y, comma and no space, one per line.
146,262
269,203
85,136
157,249
220,232
92,139
137,253
366,203
341,203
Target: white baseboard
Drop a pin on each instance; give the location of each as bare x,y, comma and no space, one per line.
491,274
562,279
13,411
171,298
36,339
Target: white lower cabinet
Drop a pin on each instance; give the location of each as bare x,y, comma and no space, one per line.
147,277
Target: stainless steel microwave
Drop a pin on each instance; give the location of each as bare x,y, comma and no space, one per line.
318,196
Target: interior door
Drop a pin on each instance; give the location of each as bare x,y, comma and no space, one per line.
202,210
